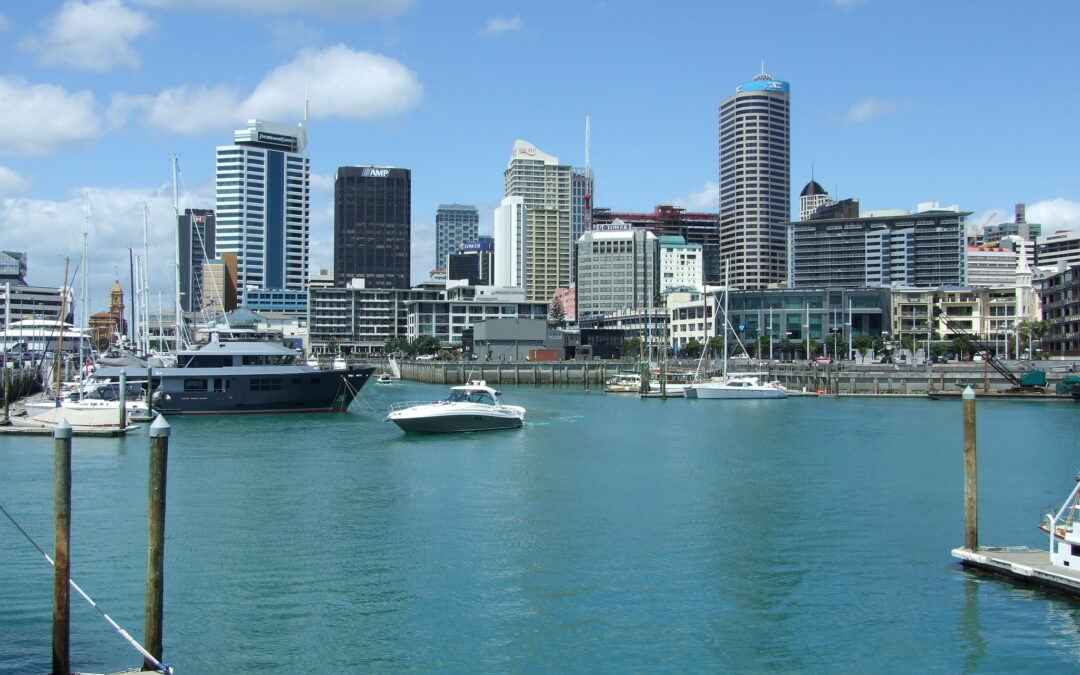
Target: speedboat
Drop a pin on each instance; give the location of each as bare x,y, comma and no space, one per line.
743,386
469,407
385,378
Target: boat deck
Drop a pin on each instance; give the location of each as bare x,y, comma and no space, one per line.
1020,562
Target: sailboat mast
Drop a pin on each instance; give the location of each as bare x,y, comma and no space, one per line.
176,225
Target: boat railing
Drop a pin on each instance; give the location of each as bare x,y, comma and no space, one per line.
402,405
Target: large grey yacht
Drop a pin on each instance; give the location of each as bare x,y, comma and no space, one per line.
252,376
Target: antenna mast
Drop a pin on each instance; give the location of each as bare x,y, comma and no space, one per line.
176,224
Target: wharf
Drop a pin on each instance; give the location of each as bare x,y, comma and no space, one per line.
47,430
1021,562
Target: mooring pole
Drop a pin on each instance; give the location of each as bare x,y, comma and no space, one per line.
123,400
155,554
61,660
971,500
149,390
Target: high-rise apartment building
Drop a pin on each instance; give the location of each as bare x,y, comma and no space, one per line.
455,224
263,205
196,236
755,183
927,248
546,237
510,243
372,226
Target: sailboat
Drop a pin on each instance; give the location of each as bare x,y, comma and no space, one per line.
742,386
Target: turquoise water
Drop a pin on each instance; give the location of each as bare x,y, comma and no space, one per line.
609,534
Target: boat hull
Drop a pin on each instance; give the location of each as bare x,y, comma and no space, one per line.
249,391
442,418
742,393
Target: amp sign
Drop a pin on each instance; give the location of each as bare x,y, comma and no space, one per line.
375,173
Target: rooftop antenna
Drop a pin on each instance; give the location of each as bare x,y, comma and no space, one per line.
587,135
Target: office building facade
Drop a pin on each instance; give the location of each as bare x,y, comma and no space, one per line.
927,248
667,221
197,229
755,182
455,224
372,226
680,264
473,261
812,198
263,190
617,270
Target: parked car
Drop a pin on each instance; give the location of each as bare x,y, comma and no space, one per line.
425,357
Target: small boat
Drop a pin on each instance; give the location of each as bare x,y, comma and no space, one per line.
385,378
469,407
743,386
623,382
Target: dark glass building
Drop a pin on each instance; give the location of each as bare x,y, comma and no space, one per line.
372,216
197,246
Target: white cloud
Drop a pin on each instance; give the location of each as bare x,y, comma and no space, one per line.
1055,214
339,8
705,200
341,83
37,119
50,231
93,35
871,109
5,23
12,182
496,25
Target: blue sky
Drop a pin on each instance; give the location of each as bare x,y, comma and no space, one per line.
894,102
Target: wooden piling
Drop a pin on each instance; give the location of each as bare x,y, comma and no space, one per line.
155,554
971,502
61,638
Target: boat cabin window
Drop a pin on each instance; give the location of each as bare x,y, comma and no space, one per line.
264,360
471,397
206,361
195,384
265,384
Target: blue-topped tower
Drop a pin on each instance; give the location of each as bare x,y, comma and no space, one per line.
755,181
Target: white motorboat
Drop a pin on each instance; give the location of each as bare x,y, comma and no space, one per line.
385,378
623,382
469,407
742,386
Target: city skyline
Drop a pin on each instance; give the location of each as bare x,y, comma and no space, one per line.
107,90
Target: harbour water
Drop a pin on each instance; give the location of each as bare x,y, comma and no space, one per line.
609,534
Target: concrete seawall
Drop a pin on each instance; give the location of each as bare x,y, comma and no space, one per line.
830,378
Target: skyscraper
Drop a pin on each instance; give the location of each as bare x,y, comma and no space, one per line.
372,220
455,224
755,183
548,226
263,205
510,243
197,230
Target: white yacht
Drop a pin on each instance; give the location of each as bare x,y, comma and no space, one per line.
469,407
741,386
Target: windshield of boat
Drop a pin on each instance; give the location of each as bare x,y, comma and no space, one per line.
471,396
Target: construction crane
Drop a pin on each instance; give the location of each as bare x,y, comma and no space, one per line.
975,232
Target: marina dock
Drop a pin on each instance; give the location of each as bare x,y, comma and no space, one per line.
1019,562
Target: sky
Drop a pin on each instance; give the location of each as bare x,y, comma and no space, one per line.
893,102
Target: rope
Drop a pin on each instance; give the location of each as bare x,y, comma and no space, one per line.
127,636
